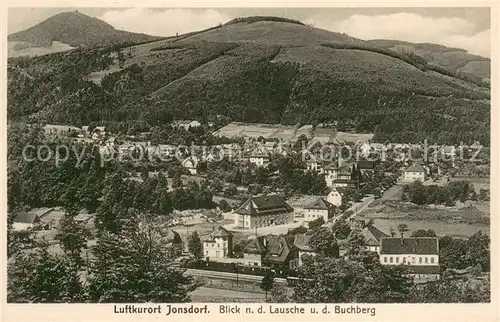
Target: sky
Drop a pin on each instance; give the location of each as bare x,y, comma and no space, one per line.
467,28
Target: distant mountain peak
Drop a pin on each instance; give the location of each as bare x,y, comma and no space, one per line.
76,29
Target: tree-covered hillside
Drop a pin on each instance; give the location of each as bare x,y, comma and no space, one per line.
230,70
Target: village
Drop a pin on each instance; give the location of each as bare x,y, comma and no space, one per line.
259,226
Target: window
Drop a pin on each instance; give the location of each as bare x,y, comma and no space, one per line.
413,260
426,260
385,259
390,259
432,260
420,260
404,259
206,252
397,259
218,245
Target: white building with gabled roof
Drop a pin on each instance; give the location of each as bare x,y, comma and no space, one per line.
414,173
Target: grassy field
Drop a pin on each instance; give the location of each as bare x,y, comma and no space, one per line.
455,221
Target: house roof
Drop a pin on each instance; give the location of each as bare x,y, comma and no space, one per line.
83,217
26,218
170,234
259,153
372,235
182,122
261,205
278,249
301,241
332,166
427,269
61,127
320,204
255,246
53,216
193,160
415,168
336,166
218,232
409,245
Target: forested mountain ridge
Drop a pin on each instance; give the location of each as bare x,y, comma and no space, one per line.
255,70
454,59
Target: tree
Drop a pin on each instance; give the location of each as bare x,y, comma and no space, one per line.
484,194
224,206
384,284
137,265
326,280
231,190
478,251
402,228
267,282
72,237
279,294
452,253
195,246
324,241
177,183
423,233
19,240
37,276
317,223
451,291
342,229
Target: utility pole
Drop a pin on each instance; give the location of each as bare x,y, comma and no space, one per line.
236,271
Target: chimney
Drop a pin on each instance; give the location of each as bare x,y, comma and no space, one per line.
402,239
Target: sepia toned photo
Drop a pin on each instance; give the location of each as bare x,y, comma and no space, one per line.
248,155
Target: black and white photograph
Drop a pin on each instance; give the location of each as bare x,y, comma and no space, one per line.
248,155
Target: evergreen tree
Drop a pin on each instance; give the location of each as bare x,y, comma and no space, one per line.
38,276
267,282
195,246
136,265
72,237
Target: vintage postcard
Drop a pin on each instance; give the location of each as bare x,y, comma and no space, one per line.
295,162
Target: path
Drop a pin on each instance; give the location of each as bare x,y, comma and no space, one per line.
205,294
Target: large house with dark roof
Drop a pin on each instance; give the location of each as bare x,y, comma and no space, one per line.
264,211
218,244
319,208
420,254
271,251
